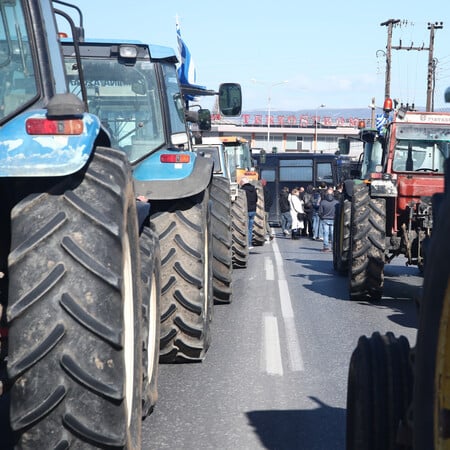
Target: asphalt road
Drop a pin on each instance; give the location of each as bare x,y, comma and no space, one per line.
275,376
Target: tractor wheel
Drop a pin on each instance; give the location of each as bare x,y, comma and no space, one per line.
379,391
431,403
222,240
184,230
75,310
151,315
341,238
367,245
239,221
259,224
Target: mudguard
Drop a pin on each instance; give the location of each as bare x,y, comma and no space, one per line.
25,155
167,181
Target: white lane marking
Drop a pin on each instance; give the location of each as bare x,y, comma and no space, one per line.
268,266
293,344
273,363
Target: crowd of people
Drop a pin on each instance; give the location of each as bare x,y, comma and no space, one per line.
309,212
304,212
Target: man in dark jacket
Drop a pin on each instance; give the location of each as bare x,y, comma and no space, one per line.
252,198
285,211
267,205
326,213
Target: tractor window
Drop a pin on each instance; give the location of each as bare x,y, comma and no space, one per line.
126,99
421,148
176,109
412,156
17,79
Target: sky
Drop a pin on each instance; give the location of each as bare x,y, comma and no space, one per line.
298,54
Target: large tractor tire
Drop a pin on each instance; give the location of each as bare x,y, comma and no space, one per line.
367,245
431,404
379,392
259,224
341,236
239,221
184,230
151,316
222,240
75,311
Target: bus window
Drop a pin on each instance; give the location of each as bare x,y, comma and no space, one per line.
268,175
299,170
324,172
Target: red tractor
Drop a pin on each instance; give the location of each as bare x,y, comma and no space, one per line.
386,209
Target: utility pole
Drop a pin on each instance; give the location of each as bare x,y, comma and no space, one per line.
387,84
431,65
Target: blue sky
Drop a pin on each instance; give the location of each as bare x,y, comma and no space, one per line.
326,50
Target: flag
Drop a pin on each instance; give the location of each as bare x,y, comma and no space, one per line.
186,71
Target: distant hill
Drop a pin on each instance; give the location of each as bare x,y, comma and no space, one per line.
346,113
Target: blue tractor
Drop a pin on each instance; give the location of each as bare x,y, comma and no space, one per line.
134,89
71,293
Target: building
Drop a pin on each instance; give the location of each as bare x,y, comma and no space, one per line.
290,132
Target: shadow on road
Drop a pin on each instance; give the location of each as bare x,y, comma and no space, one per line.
292,429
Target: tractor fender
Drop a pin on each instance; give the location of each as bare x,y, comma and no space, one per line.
31,155
162,182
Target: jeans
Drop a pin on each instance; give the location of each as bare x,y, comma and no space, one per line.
251,219
327,231
317,228
286,221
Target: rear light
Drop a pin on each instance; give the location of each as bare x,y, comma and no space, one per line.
41,126
175,158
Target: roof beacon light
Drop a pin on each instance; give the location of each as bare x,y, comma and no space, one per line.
361,124
387,105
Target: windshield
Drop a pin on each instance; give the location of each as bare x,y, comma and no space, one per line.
421,148
126,99
17,80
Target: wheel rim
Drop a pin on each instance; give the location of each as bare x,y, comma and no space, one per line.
129,338
206,277
442,380
153,317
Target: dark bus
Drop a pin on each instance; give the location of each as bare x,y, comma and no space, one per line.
297,170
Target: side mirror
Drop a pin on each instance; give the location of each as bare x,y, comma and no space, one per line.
204,119
230,99
344,146
447,95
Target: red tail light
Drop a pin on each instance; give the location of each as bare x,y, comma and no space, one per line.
41,126
175,158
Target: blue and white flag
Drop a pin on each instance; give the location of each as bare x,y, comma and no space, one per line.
186,71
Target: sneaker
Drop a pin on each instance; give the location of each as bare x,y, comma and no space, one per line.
286,232
271,237
325,250
251,246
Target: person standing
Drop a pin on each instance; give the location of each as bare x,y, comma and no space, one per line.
252,198
316,200
326,213
307,206
268,200
296,211
285,211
